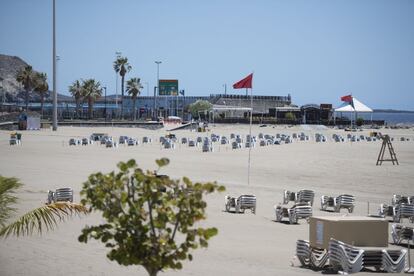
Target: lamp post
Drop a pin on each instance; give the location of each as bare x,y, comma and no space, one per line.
158,86
105,102
54,119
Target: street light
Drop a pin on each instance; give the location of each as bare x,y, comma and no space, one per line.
105,101
54,120
158,85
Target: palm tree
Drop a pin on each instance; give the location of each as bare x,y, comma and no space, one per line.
26,77
39,219
76,90
134,89
91,90
122,67
41,87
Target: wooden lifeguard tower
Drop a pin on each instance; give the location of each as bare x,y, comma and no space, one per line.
386,142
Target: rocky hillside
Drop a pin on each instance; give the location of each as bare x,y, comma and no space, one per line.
9,68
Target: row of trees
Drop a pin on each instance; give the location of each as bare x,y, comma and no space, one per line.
90,90
134,86
33,81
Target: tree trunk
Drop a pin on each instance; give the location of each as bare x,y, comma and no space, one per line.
122,96
27,100
77,108
135,108
90,105
151,272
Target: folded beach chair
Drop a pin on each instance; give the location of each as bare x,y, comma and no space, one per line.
303,196
241,203
402,211
394,261
401,233
345,257
61,194
338,203
146,140
303,252
294,213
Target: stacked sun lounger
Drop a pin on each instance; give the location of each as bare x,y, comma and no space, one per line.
61,194
337,203
315,258
402,211
241,203
344,257
402,233
303,196
294,213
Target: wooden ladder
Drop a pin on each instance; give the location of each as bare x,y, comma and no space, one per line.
386,142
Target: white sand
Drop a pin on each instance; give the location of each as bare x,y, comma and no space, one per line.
246,244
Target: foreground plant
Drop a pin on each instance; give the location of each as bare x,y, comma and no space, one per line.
37,220
150,219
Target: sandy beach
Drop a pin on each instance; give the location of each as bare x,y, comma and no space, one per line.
246,244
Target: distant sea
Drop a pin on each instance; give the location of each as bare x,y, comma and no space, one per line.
390,117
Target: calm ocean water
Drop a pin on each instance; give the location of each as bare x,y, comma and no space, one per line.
390,118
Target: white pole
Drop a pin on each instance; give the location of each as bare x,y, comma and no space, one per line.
250,135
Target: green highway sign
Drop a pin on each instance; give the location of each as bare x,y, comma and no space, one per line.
168,88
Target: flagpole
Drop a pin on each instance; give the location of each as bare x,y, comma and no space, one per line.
250,135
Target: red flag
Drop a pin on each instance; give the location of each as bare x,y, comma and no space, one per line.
347,98
244,83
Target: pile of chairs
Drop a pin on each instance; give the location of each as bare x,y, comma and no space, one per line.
303,196
350,259
302,209
61,194
207,145
314,258
337,203
240,204
401,207
402,233
345,257
294,213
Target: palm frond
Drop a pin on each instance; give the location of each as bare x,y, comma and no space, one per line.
8,187
43,218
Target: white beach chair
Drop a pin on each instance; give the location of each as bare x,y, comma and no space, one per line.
345,257
400,233
61,194
402,211
241,203
294,213
337,203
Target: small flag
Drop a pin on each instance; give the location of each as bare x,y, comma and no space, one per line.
244,83
347,98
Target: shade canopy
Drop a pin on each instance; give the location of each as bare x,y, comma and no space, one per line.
353,106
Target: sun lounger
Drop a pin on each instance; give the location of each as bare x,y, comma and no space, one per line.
303,196
338,203
394,261
314,258
241,203
345,257
402,211
146,140
61,194
294,213
400,233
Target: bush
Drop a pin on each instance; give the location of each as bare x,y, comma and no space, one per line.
145,213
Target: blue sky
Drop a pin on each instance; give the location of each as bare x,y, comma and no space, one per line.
315,50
